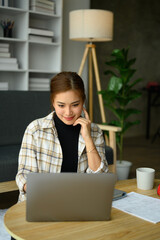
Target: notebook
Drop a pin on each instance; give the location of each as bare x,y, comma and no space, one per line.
69,196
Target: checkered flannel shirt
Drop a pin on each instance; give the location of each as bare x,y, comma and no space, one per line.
41,151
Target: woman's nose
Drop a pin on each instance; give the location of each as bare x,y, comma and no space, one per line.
68,111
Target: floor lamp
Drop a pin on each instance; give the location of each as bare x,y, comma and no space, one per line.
91,25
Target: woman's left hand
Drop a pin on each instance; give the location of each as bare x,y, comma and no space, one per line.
85,125
94,160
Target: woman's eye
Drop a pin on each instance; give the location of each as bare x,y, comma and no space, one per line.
60,106
75,105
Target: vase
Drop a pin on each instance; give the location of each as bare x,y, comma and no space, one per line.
123,169
7,32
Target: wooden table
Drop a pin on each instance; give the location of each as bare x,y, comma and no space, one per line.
122,225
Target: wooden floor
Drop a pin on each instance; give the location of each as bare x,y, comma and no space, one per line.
140,151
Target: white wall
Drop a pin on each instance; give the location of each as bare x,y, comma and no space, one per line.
72,51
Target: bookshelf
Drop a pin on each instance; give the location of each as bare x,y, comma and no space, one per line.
39,57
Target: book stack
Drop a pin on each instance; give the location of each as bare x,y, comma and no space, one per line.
6,62
40,35
3,86
45,6
39,84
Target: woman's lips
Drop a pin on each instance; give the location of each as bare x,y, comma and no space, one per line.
68,118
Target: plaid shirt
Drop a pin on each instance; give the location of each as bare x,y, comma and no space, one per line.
41,151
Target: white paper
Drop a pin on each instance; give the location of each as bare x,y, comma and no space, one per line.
145,207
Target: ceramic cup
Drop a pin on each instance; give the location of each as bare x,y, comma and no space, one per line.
145,178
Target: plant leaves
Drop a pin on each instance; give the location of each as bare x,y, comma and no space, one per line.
115,84
110,72
120,92
135,82
127,97
115,123
130,111
123,114
117,53
128,125
127,73
131,62
133,94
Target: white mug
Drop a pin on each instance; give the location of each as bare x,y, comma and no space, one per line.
145,178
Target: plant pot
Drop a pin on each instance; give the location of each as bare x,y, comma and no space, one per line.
123,169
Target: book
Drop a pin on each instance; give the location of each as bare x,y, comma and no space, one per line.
43,5
4,45
8,66
39,85
41,9
8,60
5,55
47,2
4,49
39,31
38,88
3,85
39,80
37,38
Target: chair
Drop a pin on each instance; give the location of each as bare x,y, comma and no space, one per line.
111,142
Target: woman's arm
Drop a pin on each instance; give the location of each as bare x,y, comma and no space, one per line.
27,159
94,159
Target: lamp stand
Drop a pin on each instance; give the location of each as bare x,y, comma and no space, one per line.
90,49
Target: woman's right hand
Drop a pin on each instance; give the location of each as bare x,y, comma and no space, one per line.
25,187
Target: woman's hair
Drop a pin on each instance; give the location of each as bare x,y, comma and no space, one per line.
65,81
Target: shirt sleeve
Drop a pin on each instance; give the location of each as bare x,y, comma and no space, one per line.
99,142
27,159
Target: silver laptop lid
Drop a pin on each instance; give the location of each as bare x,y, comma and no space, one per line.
69,196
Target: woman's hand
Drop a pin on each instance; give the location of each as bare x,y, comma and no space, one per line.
25,187
85,125
94,159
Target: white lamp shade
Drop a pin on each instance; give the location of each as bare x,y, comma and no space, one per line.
91,25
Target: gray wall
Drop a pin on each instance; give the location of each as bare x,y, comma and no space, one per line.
137,25
72,52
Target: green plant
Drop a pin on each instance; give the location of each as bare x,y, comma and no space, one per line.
120,93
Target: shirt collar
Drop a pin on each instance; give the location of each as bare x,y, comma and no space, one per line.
48,121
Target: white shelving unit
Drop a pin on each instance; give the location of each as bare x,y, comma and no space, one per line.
35,59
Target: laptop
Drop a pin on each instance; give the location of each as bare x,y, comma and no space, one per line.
69,196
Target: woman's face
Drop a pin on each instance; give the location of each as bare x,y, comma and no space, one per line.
68,106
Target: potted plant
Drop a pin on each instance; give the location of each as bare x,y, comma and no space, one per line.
118,95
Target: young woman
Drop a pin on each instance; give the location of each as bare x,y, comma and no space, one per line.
65,140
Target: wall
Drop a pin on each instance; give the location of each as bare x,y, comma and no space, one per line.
73,51
137,25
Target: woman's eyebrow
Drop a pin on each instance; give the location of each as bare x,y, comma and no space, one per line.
75,102
60,102
71,103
